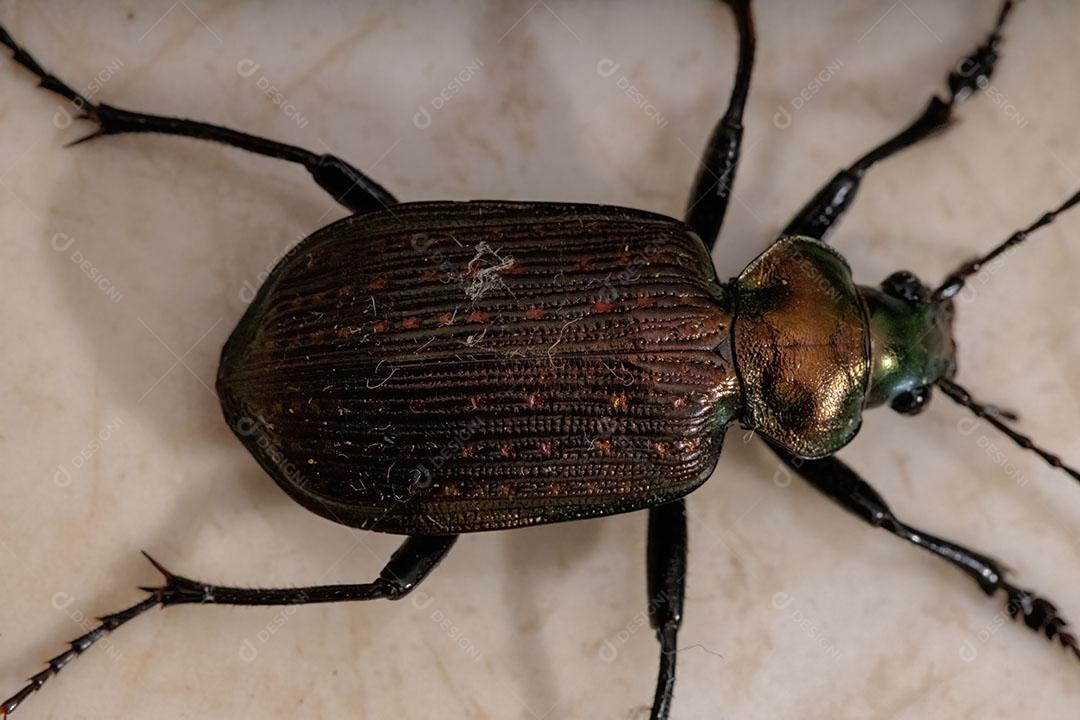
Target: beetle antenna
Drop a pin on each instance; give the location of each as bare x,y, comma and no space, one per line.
955,281
986,412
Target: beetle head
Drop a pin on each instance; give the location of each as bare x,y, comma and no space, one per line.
911,343
912,346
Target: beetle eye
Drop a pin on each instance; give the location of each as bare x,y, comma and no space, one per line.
904,285
912,402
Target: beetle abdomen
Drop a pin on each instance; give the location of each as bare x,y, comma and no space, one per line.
448,367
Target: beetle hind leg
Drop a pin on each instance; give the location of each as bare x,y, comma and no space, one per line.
346,184
408,566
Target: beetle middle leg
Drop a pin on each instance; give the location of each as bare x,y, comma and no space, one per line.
823,210
841,484
667,583
408,567
712,187
345,183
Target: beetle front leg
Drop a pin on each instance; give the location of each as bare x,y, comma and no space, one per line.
345,183
712,187
842,485
667,583
407,568
825,209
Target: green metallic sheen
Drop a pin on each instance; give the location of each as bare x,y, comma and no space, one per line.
911,344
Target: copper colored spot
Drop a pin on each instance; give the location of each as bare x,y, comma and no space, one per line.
645,302
534,313
506,451
602,306
532,400
679,402
619,402
603,446
802,320
468,451
411,322
377,284
662,448
344,331
546,447
430,276
380,326
446,319
345,291
478,316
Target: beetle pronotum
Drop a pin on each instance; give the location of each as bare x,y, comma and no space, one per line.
477,264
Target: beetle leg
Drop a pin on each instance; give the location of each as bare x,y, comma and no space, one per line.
841,484
716,174
823,211
348,185
407,568
667,582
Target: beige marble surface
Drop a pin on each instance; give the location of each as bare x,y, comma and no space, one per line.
125,263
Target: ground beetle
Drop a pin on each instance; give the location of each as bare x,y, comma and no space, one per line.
440,368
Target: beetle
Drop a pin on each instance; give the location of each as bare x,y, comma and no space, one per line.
496,329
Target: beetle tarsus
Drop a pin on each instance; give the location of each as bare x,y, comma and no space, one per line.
821,214
840,483
50,82
974,71
1039,614
349,186
78,646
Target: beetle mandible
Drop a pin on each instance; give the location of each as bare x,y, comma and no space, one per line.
444,368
